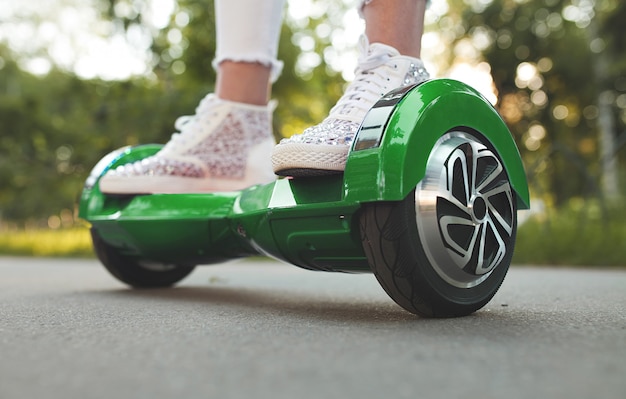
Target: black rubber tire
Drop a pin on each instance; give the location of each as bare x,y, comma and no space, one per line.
131,271
396,256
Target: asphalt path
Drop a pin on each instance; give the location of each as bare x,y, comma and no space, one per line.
260,329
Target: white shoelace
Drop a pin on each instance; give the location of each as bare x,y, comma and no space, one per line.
187,126
367,86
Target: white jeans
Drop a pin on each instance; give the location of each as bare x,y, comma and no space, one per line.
248,31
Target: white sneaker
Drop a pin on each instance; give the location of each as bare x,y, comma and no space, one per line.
323,149
225,146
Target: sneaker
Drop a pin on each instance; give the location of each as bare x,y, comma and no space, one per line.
323,149
225,146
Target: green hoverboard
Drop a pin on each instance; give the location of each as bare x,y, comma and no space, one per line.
428,203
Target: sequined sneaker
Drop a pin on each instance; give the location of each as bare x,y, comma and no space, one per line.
323,149
225,146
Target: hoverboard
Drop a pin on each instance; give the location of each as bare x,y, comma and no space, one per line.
428,203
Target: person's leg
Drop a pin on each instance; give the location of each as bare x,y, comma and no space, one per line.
225,146
397,23
243,82
247,33
390,59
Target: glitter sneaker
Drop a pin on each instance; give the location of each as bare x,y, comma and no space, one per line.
323,149
225,146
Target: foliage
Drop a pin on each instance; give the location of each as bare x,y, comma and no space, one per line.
543,56
555,63
582,233
54,128
183,54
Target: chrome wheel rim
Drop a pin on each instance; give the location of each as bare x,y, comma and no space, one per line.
464,210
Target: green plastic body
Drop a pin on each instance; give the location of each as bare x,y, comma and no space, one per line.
308,222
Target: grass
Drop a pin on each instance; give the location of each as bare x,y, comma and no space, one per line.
74,242
581,234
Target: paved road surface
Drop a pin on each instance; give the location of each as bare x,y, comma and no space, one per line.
267,330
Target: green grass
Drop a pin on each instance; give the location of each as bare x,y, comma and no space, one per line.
582,234
74,242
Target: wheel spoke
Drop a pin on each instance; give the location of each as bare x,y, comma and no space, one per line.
481,251
491,174
450,223
458,160
454,201
492,257
502,188
496,210
474,169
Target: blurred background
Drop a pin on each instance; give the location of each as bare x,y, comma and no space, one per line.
79,78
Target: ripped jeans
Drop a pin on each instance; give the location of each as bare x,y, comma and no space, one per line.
249,30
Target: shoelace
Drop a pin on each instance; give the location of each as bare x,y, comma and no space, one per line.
185,125
360,95
365,89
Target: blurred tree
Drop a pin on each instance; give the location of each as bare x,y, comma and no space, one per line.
558,67
606,39
55,127
184,50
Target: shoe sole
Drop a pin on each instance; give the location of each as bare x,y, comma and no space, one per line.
300,160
